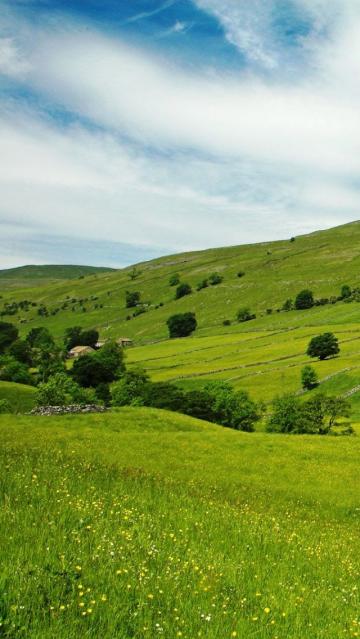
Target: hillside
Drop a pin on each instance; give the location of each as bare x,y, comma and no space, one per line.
263,541
265,355
32,274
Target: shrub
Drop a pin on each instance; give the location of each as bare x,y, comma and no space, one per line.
244,315
345,292
140,310
182,290
61,390
181,325
215,278
132,299
8,334
288,305
40,337
129,390
227,322
323,346
309,378
4,406
14,371
316,416
241,273
103,394
202,284
304,300
233,409
21,351
174,279
163,395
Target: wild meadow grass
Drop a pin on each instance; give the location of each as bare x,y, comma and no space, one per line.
143,523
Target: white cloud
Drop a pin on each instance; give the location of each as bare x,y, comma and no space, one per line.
208,159
12,62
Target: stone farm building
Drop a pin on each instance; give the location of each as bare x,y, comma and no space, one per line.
78,351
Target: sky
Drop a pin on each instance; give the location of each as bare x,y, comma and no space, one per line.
131,129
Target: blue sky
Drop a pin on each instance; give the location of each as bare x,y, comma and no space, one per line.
132,129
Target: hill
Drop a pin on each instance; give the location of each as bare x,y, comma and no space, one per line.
144,523
20,397
29,275
265,355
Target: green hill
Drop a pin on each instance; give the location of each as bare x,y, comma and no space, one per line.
30,275
265,355
20,397
144,523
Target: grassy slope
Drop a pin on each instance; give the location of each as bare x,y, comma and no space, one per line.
153,524
33,274
20,397
264,356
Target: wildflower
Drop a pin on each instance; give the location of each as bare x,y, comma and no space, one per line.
266,610
103,597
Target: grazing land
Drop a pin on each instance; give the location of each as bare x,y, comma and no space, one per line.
143,523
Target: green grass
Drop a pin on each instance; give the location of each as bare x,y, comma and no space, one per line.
44,274
20,397
144,523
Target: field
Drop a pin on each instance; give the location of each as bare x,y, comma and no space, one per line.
143,523
20,397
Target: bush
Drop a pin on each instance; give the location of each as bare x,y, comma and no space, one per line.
241,273
182,290
132,299
103,394
304,300
318,415
202,284
163,395
245,315
309,378
215,278
76,336
174,279
288,305
130,388
227,322
4,406
233,409
21,351
40,337
8,334
323,346
14,371
181,325
345,292
61,390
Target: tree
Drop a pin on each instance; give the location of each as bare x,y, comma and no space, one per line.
244,315
174,279
134,273
317,416
132,298
215,278
182,290
304,299
8,334
103,393
62,390
13,371
88,338
72,337
104,366
202,284
164,395
21,351
233,409
286,416
241,273
181,325
345,292
309,378
129,390
288,305
323,346
40,337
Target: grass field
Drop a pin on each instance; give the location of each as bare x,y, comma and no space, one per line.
20,397
143,523
32,275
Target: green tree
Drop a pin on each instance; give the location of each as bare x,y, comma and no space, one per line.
182,290
72,337
174,279
345,292
288,305
202,284
8,334
132,299
103,394
181,325
287,416
245,315
89,338
129,390
215,278
323,346
233,409
304,299
309,378
14,371
21,351
40,337
62,390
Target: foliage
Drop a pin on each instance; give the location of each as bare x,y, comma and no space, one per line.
309,378
182,290
345,292
4,406
245,315
174,279
215,278
318,415
61,390
8,334
323,346
13,371
288,305
181,325
233,409
21,351
103,394
134,273
129,390
132,299
241,273
202,284
40,337
304,300
104,366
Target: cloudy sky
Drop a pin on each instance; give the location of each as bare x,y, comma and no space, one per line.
134,128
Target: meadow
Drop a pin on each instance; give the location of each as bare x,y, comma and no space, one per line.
142,523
